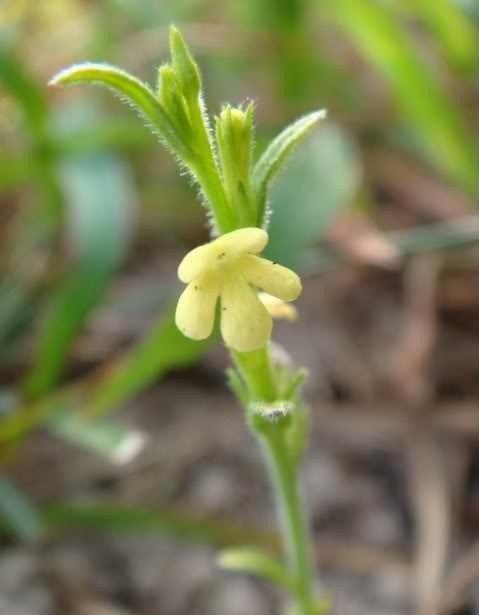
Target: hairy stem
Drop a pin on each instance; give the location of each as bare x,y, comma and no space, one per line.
258,373
295,534
208,174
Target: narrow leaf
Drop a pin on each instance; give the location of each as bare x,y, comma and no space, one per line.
323,177
132,90
454,32
257,562
99,203
434,117
103,437
19,515
274,156
17,81
169,521
184,65
164,348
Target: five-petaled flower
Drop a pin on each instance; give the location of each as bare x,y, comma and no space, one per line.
228,268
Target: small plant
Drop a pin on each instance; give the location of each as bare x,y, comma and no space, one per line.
223,278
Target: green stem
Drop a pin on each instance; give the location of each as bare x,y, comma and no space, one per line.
259,375
207,175
295,535
257,371
207,172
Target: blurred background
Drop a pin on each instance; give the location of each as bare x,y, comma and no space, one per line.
126,463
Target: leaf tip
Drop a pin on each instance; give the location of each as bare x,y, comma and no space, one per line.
79,72
317,116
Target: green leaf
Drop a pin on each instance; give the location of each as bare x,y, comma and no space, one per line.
19,515
131,90
257,562
172,99
22,86
274,156
99,203
184,65
170,521
454,32
103,437
164,348
321,180
16,310
435,118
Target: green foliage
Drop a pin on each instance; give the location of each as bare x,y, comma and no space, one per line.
162,349
170,521
184,67
235,137
321,181
435,117
103,437
423,55
256,562
275,155
131,90
18,514
176,112
99,203
452,29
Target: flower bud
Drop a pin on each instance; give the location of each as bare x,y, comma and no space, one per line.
234,134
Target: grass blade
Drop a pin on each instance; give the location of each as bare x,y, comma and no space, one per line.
164,348
436,118
99,202
18,514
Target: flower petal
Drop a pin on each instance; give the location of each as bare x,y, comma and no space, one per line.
245,322
222,252
278,308
197,262
274,279
195,312
250,240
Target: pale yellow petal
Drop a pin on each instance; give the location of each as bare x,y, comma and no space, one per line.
245,322
198,261
220,254
274,279
195,312
278,308
250,240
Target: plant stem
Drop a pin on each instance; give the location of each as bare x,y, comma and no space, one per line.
208,174
295,535
258,373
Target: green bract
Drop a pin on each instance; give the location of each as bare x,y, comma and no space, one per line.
234,189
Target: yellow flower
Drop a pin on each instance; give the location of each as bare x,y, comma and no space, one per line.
227,268
277,308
